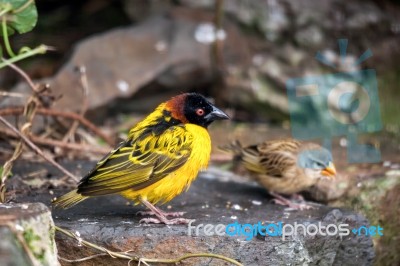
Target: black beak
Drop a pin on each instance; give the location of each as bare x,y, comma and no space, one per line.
216,114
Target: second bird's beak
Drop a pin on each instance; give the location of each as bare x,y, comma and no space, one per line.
329,171
216,114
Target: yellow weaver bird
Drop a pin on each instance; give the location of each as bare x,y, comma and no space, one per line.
285,166
160,158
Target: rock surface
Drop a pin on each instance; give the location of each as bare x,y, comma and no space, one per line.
121,61
27,235
111,222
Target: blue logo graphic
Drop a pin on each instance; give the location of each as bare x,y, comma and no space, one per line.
339,104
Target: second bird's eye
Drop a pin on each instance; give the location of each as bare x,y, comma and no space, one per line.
200,112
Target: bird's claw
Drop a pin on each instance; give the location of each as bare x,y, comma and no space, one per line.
166,214
174,214
292,205
166,221
149,221
300,206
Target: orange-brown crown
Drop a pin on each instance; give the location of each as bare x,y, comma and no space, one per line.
176,105
195,109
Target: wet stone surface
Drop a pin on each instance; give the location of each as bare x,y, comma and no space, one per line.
109,221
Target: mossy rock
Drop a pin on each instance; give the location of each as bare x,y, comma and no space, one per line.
378,199
27,233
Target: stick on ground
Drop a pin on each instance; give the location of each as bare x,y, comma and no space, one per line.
36,149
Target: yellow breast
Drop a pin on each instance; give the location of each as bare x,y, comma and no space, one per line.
174,184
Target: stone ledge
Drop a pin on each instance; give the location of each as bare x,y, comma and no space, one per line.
27,235
111,222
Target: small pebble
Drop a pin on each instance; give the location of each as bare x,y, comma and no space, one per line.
160,46
395,166
256,202
123,86
237,207
19,227
386,164
393,173
343,142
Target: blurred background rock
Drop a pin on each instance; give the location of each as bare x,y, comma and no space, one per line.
266,43
138,53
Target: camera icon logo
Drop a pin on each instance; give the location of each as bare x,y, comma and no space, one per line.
339,104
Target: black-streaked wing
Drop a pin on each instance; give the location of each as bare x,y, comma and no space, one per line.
276,163
138,164
271,158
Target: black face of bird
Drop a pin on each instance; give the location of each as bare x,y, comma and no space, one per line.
201,112
320,160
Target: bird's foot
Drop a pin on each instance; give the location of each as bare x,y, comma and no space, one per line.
302,205
166,214
298,198
161,216
165,221
299,206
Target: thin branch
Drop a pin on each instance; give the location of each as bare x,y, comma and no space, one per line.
37,150
60,144
29,113
24,75
84,106
13,94
83,259
7,170
92,245
218,44
130,257
65,114
197,255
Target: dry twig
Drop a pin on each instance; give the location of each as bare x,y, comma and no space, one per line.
12,94
23,74
84,106
58,113
83,259
57,143
131,257
29,113
37,150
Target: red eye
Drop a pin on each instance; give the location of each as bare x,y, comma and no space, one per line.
200,112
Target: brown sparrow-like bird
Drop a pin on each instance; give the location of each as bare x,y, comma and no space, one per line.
285,166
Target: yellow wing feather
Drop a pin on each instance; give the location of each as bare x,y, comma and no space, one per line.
138,163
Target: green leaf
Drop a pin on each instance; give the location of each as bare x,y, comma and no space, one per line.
22,17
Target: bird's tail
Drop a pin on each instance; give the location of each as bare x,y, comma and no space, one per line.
68,200
234,148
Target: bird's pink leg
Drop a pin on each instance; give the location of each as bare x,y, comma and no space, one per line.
279,199
161,216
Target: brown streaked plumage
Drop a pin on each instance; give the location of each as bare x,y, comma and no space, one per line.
285,166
